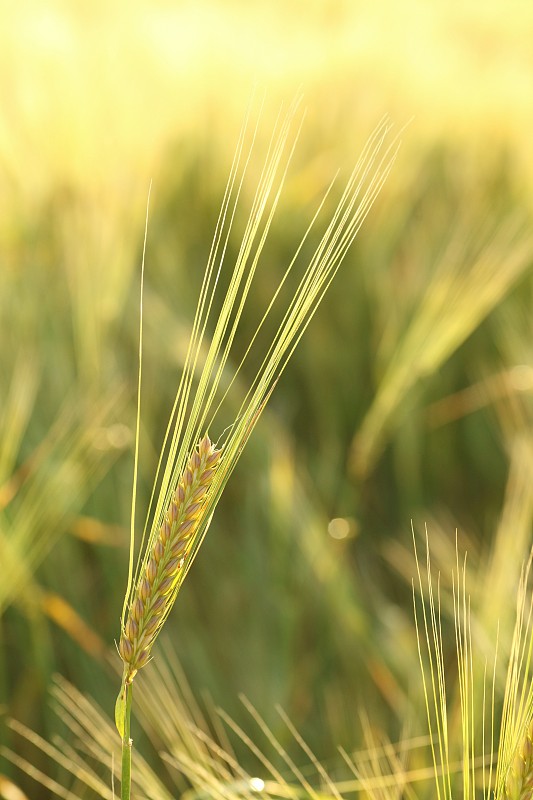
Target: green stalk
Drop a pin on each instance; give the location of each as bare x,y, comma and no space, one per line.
125,783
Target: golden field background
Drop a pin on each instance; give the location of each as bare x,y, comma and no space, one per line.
409,399
90,89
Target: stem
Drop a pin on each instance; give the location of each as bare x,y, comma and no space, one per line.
125,784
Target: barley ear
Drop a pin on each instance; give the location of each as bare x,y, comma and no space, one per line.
519,780
168,549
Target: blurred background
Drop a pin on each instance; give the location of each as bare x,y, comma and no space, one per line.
408,402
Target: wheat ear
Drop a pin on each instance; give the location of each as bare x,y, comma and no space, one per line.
519,780
154,593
